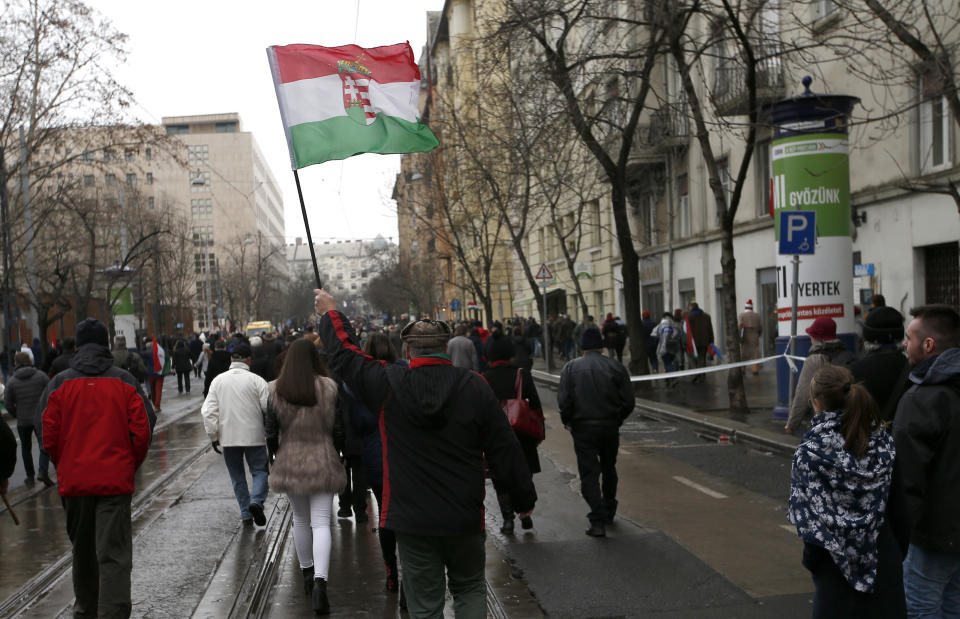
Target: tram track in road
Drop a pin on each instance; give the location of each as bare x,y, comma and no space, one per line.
43,582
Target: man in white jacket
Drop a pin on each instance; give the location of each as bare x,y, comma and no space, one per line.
233,418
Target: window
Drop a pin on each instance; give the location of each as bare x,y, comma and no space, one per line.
87,155
202,235
149,154
823,9
648,214
110,179
202,208
199,181
594,208
177,129
131,180
149,178
763,175
109,155
129,154
198,154
88,180
684,224
935,130
151,202
431,245
225,127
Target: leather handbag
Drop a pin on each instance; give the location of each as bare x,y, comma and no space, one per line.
523,418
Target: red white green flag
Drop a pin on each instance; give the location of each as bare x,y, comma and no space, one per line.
336,102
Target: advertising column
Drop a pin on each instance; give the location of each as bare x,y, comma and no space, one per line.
811,172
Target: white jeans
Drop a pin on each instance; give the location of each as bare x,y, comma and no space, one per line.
311,530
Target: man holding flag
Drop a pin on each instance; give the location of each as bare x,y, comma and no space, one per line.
699,330
154,357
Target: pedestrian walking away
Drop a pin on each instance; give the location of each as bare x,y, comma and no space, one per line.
300,425
154,358
21,399
842,504
219,363
751,326
926,429
233,414
883,369
669,342
701,332
438,425
502,378
183,366
97,426
595,396
62,361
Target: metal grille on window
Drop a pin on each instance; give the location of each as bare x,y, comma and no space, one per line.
942,270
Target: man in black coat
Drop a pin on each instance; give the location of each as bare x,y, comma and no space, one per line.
926,429
21,397
219,363
883,369
595,396
439,424
62,361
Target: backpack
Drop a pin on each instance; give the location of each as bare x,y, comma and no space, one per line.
136,369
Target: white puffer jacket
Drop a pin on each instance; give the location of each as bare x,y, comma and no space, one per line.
234,408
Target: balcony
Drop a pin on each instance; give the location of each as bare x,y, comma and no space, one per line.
730,87
670,126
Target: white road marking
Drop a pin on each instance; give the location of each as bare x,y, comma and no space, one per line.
789,528
696,486
623,452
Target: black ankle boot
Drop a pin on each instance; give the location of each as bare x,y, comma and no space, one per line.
508,525
321,605
307,579
392,581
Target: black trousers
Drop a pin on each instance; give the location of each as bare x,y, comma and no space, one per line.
596,448
183,379
102,536
388,541
355,492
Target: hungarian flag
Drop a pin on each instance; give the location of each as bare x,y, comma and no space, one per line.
336,102
157,357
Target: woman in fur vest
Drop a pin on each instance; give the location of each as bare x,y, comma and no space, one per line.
300,425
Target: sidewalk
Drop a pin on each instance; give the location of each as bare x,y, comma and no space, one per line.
706,404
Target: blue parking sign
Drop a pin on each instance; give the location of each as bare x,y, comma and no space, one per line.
798,232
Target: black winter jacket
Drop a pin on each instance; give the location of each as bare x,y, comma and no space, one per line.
884,374
926,430
219,363
8,451
23,394
594,390
438,423
60,363
181,358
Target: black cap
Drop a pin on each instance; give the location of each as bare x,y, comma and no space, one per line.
591,339
92,331
884,325
241,351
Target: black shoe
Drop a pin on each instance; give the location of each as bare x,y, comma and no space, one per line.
247,522
403,598
344,512
362,516
256,510
321,605
507,528
45,479
608,520
29,481
307,579
596,530
526,523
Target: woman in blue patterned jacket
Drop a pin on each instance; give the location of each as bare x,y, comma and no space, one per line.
840,502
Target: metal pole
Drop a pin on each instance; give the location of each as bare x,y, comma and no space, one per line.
545,328
306,224
795,293
8,315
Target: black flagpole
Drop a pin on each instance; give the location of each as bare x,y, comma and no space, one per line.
306,223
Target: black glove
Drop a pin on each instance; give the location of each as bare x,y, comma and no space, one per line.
273,445
216,447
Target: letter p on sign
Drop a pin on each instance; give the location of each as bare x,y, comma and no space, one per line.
798,232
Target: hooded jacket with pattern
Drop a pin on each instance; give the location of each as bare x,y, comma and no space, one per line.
97,425
926,429
438,424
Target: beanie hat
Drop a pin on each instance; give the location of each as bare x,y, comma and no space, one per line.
92,331
884,325
645,314
823,328
256,341
591,339
501,348
748,305
241,351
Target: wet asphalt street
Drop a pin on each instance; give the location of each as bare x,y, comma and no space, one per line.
700,532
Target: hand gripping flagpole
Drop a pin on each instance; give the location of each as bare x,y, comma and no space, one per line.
306,224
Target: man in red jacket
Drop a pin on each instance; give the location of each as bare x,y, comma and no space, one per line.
97,425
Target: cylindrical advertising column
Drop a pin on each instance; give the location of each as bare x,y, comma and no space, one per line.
811,172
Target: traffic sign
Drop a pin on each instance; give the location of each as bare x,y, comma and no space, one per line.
798,232
455,305
544,272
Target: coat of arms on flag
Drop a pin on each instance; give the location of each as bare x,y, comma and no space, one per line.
336,102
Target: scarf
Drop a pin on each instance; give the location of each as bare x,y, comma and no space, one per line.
837,501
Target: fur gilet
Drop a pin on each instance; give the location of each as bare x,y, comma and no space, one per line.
307,462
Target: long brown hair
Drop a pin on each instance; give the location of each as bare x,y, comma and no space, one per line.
833,386
297,383
380,347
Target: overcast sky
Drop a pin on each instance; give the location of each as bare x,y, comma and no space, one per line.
208,57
